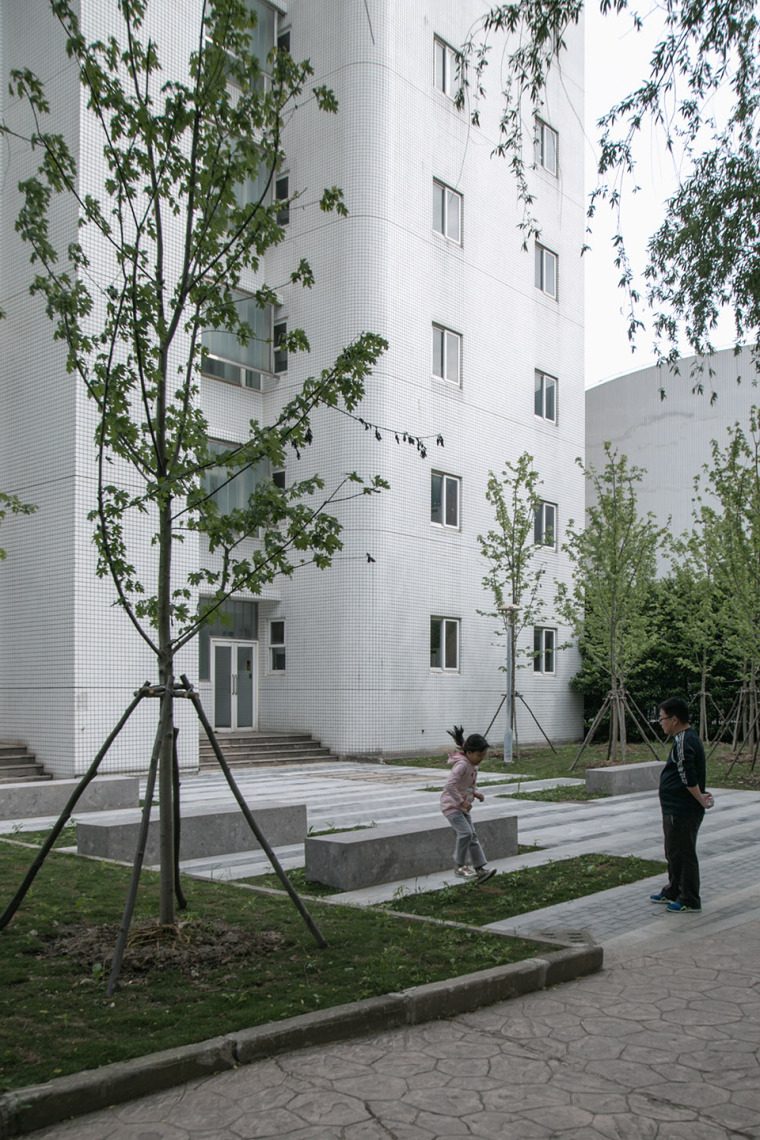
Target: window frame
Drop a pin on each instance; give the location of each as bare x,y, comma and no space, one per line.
279,354
255,374
277,647
446,192
542,256
541,527
282,183
446,479
256,474
448,69
543,130
543,651
446,623
539,395
444,354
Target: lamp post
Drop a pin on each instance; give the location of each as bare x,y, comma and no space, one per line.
509,610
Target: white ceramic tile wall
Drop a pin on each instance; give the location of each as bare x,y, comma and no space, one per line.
358,672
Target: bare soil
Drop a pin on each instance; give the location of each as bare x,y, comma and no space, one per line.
188,946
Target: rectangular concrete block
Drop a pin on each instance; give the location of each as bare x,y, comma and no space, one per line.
354,859
104,793
203,833
622,779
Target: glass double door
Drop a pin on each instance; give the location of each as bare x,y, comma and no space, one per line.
234,665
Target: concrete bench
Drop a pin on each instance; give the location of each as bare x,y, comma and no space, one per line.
622,779
104,793
354,859
203,832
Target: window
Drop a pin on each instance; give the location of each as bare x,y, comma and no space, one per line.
283,40
261,40
280,350
282,194
230,490
225,357
278,478
444,500
445,73
545,525
447,212
446,354
546,146
277,646
543,649
546,396
236,619
444,644
546,270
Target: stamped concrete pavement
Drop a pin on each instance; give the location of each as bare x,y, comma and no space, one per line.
663,1046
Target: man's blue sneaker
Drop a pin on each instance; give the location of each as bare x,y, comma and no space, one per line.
678,907
659,897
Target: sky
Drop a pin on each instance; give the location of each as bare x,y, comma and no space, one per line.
616,61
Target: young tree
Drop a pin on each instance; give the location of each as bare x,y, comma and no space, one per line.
730,514
515,573
613,560
181,224
702,90
11,504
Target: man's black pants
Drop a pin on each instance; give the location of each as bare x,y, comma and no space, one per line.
680,833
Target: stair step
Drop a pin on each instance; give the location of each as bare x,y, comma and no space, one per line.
18,765
245,751
23,775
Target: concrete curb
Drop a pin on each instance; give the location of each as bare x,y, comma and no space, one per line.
39,1106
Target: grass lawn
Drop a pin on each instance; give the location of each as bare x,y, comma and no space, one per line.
530,889
57,1019
543,764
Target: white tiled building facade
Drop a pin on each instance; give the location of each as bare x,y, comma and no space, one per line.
431,258
665,422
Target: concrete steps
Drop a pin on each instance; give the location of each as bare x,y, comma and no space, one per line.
18,765
247,749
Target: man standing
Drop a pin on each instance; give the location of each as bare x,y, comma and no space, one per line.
683,801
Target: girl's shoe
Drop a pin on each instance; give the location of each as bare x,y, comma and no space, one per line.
465,872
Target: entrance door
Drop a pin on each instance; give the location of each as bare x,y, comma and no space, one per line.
234,684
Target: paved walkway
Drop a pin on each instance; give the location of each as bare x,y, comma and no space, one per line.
664,1044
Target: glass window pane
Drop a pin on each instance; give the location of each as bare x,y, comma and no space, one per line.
222,686
549,525
452,646
548,650
550,272
436,498
453,211
538,527
262,38
452,357
539,267
550,150
452,502
440,59
539,396
537,650
435,643
439,193
437,351
550,387
277,632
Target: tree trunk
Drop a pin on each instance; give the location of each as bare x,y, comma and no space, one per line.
167,911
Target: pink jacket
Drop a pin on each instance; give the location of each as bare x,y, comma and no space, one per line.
459,788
